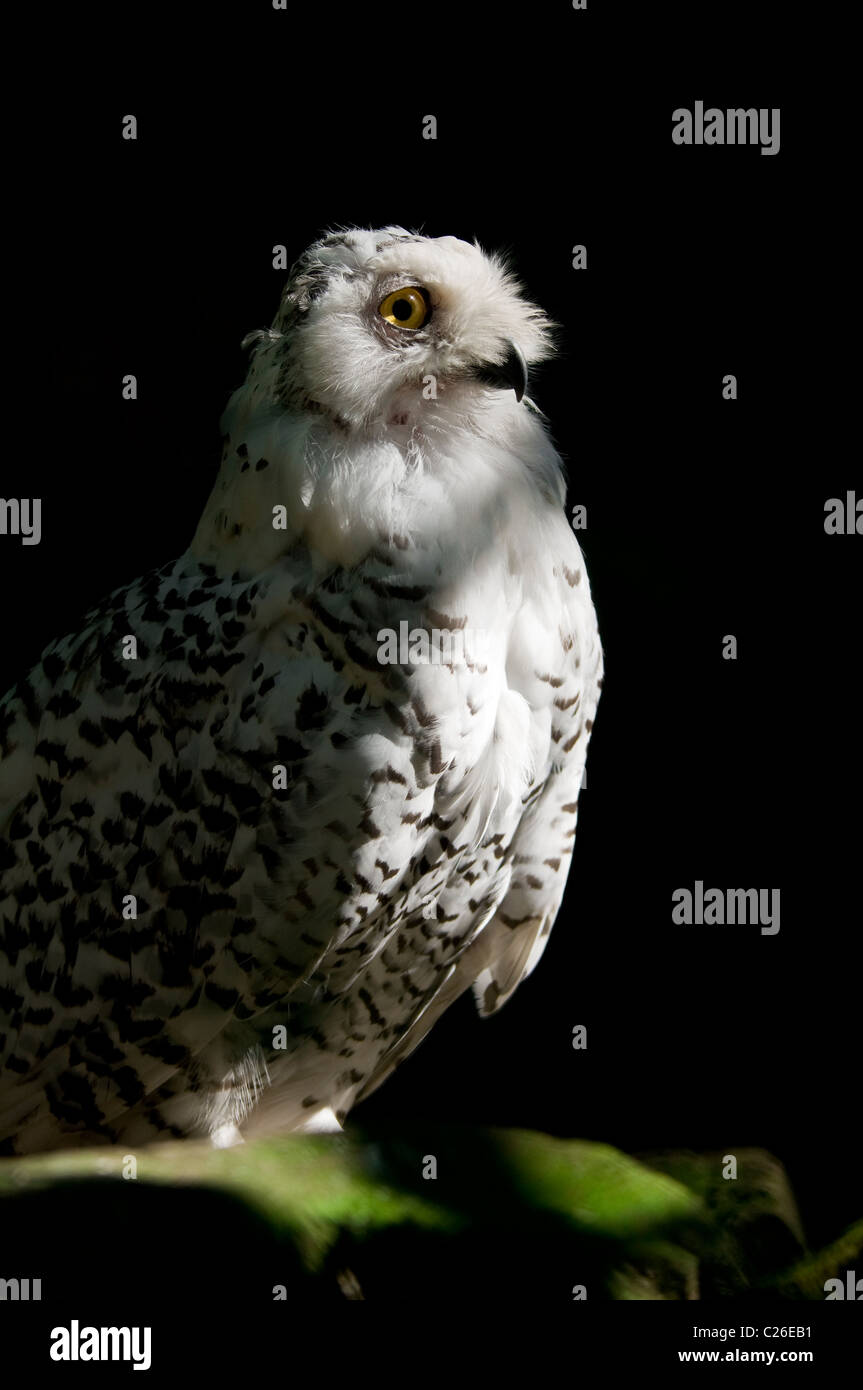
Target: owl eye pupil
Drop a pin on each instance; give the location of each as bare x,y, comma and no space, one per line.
402,309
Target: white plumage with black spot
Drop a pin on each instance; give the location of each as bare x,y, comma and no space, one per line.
172,908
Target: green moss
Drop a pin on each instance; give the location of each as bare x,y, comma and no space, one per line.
600,1190
807,1278
309,1187
669,1227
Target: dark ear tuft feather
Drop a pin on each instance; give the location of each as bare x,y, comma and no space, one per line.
307,281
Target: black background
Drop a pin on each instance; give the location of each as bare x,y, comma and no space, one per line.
705,517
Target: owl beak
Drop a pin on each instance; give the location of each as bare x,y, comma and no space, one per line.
510,373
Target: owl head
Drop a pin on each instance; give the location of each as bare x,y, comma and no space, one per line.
374,326
388,398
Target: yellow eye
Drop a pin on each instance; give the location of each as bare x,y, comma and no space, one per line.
407,308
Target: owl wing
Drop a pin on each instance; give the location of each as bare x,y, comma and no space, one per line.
180,804
509,946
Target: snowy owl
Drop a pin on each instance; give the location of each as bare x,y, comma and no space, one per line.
277,804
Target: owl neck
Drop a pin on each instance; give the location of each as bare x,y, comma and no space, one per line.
286,478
